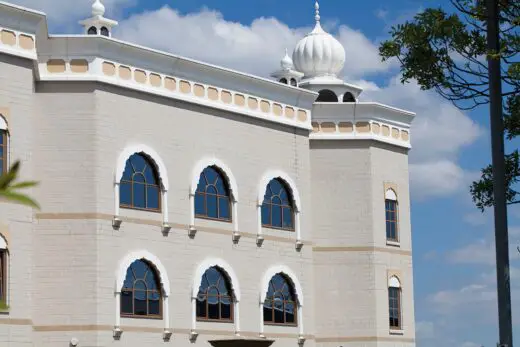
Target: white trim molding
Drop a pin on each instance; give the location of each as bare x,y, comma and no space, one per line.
233,186
235,287
161,171
124,264
390,195
264,181
268,275
393,282
3,243
3,123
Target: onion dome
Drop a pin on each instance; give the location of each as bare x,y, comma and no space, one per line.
319,53
98,9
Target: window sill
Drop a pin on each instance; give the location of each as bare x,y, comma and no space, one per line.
202,320
398,332
393,243
228,221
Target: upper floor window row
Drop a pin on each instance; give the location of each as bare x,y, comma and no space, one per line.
141,188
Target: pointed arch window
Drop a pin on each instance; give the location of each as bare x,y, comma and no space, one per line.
394,301
277,207
215,297
392,220
104,31
141,294
92,31
3,151
140,187
212,198
280,305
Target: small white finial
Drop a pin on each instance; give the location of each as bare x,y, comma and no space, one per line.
317,7
286,62
98,9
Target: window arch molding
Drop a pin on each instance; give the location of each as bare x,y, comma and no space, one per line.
124,264
293,279
161,172
233,282
3,123
297,205
5,144
390,194
232,185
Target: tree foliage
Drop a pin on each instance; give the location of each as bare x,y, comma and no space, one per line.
9,188
447,52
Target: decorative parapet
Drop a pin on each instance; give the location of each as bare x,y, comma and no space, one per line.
17,43
362,121
170,86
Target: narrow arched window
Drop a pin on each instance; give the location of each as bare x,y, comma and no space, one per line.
140,187
3,151
280,302
293,82
327,95
212,198
141,293
277,208
104,31
283,80
215,298
392,220
348,97
394,301
3,274
92,31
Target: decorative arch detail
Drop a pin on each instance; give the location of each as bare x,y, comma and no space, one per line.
390,195
268,176
125,263
3,242
224,169
274,270
394,282
149,152
224,266
3,123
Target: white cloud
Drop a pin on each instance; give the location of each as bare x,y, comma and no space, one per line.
435,178
424,330
479,252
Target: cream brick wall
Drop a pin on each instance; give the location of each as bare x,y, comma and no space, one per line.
64,260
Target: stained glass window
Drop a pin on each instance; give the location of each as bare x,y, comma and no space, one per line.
141,293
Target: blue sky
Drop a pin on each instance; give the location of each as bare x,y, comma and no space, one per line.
453,242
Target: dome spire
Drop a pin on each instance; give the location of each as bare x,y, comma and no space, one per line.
98,9
317,8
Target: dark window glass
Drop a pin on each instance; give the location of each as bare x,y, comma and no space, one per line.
104,31
139,187
92,31
283,80
293,82
215,300
141,295
391,220
327,95
280,305
3,279
277,208
348,97
3,151
212,198
394,299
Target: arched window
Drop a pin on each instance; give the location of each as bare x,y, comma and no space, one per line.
92,31
391,211
283,80
215,298
3,273
293,82
212,198
277,208
140,187
3,151
348,97
104,31
141,293
280,302
394,301
327,95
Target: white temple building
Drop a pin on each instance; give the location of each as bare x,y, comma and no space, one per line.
185,204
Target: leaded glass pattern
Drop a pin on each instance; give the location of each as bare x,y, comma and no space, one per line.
215,299
280,304
391,220
277,207
212,198
394,300
141,292
140,187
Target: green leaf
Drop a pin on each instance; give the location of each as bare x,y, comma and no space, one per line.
19,198
22,185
